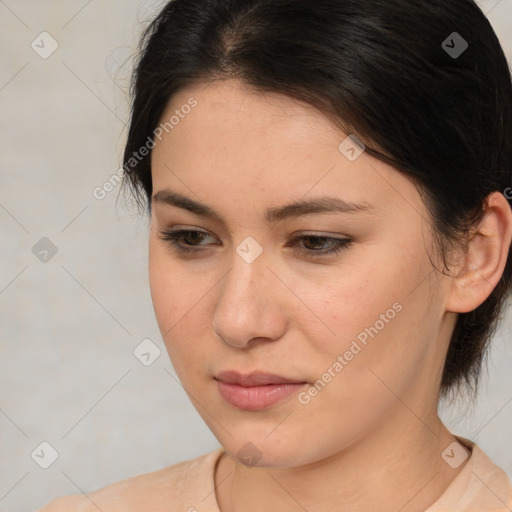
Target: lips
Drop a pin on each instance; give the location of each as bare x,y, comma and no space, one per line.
255,391
254,379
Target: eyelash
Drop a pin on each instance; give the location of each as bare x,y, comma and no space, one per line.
173,237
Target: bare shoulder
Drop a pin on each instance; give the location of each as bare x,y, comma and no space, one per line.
155,489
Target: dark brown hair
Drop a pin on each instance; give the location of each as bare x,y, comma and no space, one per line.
424,84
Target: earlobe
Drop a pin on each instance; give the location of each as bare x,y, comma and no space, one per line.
484,261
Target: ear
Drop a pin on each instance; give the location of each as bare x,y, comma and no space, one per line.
482,266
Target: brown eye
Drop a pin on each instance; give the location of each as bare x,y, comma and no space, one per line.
189,241
336,245
189,236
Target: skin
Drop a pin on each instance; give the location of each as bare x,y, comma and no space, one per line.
371,439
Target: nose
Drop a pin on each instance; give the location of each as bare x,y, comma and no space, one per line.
250,307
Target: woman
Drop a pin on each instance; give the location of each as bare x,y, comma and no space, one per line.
329,248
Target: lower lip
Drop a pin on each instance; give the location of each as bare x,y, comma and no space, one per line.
255,398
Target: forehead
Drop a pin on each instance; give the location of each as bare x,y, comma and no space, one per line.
232,125
229,112
264,149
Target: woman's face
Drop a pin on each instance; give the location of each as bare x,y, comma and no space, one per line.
363,329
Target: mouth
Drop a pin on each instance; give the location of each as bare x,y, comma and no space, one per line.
257,390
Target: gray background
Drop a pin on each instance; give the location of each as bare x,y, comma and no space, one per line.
68,326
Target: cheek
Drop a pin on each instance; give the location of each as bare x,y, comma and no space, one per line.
351,301
377,315
179,299
161,287
173,290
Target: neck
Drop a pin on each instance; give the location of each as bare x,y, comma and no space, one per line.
398,467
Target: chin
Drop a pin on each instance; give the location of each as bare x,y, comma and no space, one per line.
258,451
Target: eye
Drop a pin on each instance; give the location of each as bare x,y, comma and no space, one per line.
174,239
190,236
336,245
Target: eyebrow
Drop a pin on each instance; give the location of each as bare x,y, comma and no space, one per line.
324,204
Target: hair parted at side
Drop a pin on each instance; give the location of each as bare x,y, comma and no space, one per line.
378,69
